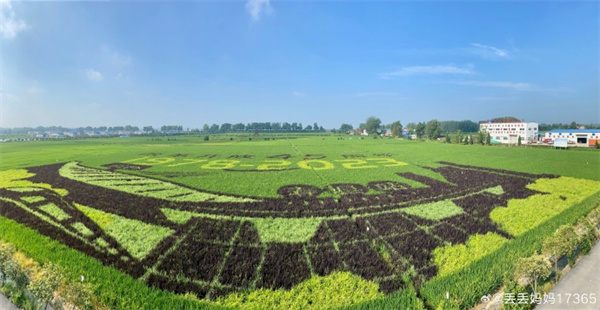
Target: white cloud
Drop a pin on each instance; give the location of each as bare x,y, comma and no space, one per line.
429,70
497,84
94,75
258,7
9,26
487,51
517,86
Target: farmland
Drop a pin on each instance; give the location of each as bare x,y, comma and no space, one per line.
284,222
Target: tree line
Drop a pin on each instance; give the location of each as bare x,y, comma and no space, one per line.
262,127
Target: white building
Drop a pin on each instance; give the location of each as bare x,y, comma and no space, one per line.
509,132
578,137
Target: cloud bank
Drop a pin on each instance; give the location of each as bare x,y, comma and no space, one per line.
9,25
256,8
428,70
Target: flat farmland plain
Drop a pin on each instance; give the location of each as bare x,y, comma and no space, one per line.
295,221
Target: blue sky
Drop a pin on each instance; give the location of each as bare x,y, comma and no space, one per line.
194,62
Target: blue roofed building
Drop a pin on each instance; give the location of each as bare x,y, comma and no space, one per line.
576,137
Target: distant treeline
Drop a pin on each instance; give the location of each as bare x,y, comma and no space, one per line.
446,127
261,126
26,130
573,125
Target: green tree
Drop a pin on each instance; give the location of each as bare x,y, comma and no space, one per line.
373,123
481,137
457,137
214,128
573,125
420,130
505,119
345,127
532,269
519,141
46,283
225,127
6,252
488,139
563,242
396,128
433,129
205,128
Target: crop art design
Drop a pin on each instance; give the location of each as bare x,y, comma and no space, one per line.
183,239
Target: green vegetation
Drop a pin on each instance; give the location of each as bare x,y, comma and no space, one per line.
521,215
33,199
532,269
286,230
451,258
435,210
114,289
335,290
190,169
485,276
137,237
82,229
495,190
177,216
45,283
16,180
138,185
55,211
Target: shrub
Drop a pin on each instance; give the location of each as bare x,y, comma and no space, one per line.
45,283
532,269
